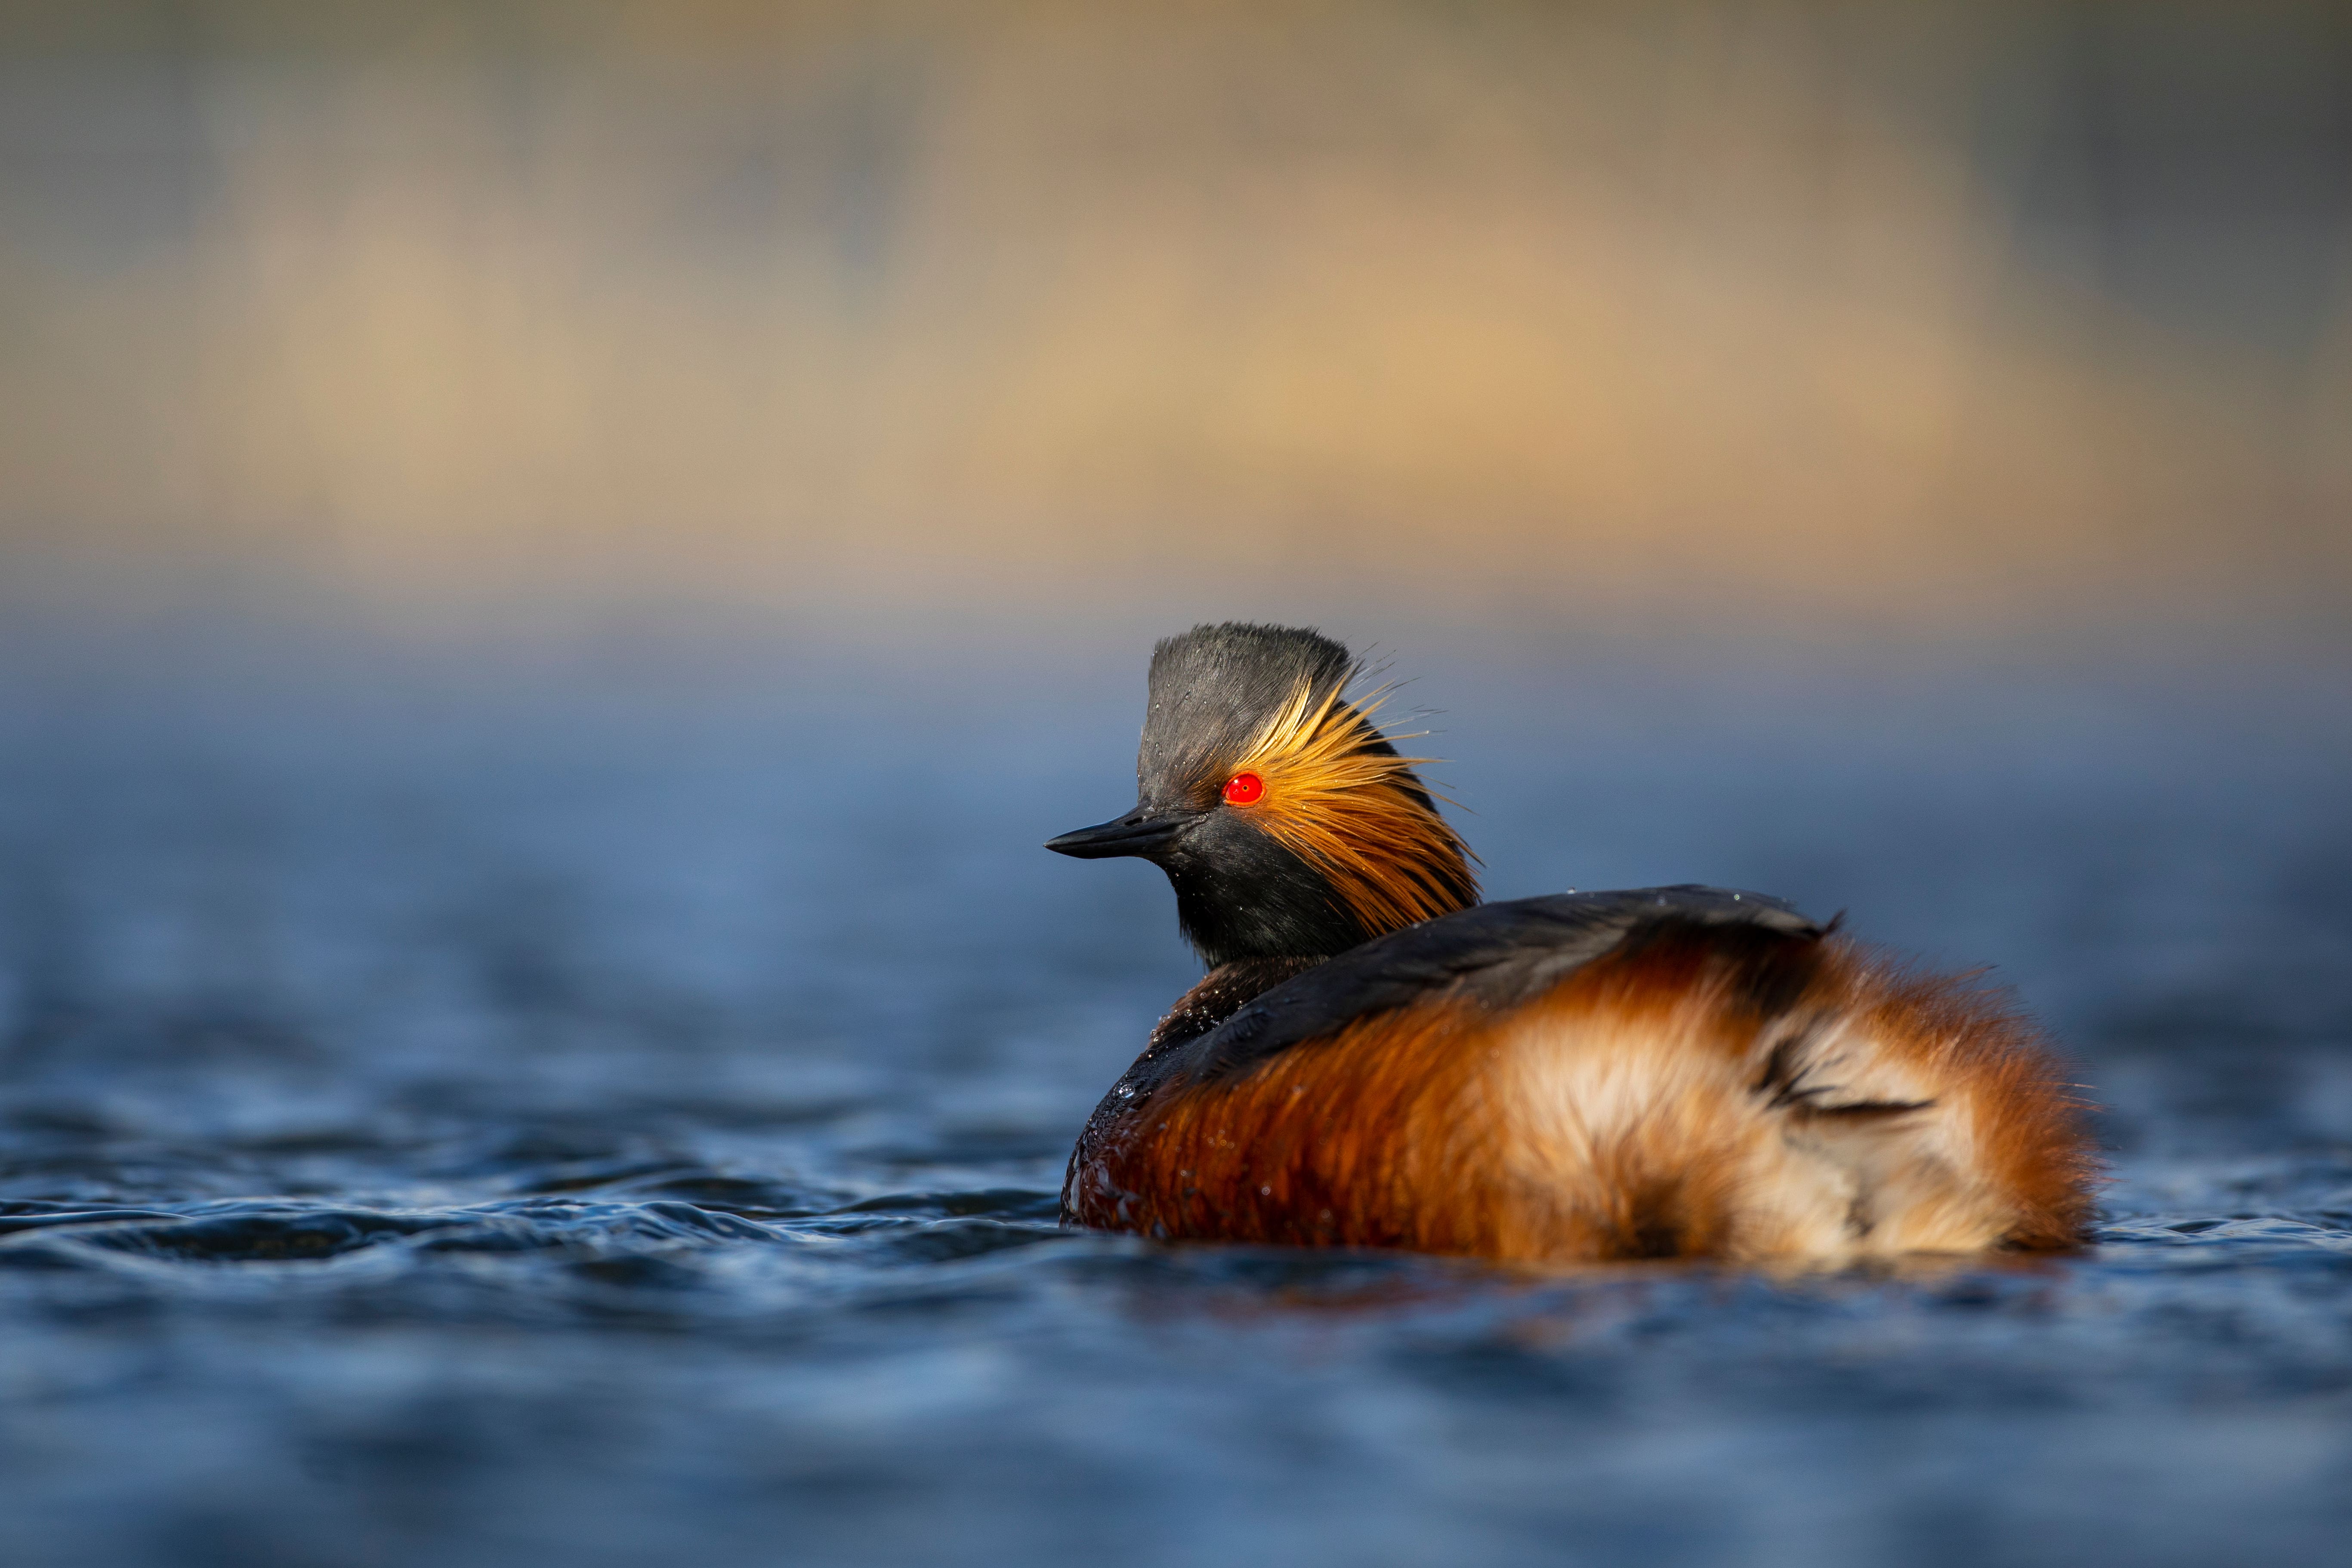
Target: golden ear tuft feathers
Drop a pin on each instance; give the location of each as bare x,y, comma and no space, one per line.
1337,795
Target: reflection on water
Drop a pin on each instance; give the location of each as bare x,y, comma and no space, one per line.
612,1131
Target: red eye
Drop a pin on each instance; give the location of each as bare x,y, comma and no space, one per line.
1242,788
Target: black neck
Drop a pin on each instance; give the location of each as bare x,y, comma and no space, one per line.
1221,992
1253,898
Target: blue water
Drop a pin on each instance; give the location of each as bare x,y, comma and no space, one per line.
595,1121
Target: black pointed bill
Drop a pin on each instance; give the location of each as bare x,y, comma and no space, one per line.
1139,832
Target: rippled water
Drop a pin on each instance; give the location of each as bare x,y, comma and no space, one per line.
620,1129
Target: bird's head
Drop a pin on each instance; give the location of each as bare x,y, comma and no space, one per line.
1287,824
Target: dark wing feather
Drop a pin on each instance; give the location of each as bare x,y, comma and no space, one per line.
1500,954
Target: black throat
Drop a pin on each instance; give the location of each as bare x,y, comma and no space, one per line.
1244,896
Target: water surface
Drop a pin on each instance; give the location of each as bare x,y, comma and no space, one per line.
610,1128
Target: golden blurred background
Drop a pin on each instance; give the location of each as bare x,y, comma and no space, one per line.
1923,320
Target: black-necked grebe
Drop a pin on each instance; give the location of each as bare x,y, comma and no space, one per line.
1375,1059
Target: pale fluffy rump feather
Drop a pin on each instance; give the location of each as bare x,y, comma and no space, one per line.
1885,1112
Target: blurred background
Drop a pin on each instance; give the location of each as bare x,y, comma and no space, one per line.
558,561
1816,320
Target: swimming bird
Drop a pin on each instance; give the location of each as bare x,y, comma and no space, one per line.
1375,1059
